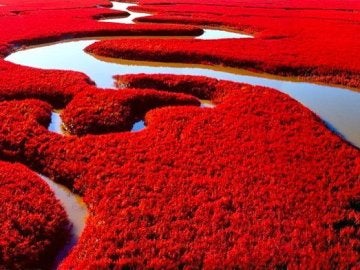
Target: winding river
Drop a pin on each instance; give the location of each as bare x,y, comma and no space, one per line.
338,107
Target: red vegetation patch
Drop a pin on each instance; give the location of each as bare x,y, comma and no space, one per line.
200,87
19,120
107,111
253,54
27,27
53,86
33,224
244,184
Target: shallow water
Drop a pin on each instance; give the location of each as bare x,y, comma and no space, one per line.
207,103
56,123
76,211
208,34
338,107
124,7
212,34
138,126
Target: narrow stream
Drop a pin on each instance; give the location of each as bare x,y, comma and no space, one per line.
208,33
124,7
338,107
77,213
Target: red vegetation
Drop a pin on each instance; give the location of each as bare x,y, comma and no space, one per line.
105,111
253,55
200,87
33,224
244,184
53,86
256,182
297,38
26,27
21,120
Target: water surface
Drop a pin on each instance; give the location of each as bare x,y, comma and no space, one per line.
213,34
76,211
209,34
207,103
124,7
338,107
56,124
138,126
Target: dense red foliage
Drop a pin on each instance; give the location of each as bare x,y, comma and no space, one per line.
253,54
25,26
201,87
55,87
20,119
256,182
244,184
33,224
101,112
312,39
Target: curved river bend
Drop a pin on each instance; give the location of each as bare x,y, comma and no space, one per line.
338,107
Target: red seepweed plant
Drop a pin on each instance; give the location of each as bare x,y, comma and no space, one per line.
256,182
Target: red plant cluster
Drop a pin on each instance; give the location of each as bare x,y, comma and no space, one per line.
107,111
200,87
33,224
21,119
256,182
26,26
244,184
252,55
53,86
298,38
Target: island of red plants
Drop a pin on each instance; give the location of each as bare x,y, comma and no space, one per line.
256,182
33,224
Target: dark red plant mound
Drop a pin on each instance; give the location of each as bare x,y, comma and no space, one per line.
19,120
33,224
244,184
217,188
53,86
107,111
200,87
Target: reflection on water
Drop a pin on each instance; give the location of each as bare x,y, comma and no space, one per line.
138,126
56,123
207,103
338,107
124,7
76,211
221,34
